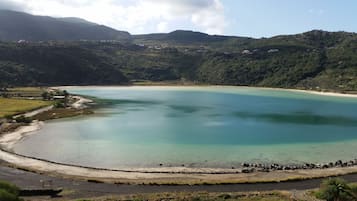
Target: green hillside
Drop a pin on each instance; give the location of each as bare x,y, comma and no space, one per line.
312,60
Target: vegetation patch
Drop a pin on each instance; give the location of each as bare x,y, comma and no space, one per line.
58,113
336,189
9,192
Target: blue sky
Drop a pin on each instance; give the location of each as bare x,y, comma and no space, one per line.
254,18
272,17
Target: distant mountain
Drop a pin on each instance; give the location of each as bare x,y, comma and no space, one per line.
182,37
22,26
76,20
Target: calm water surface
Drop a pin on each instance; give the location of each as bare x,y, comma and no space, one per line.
200,127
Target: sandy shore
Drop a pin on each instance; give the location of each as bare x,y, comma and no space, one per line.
137,177
81,102
8,140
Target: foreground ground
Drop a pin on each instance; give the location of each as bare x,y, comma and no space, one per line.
84,190
78,189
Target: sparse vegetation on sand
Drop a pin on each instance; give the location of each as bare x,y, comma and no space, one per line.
200,196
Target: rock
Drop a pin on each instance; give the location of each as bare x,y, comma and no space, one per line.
331,164
338,163
324,166
245,171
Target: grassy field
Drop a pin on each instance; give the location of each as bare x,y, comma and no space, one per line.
10,106
26,91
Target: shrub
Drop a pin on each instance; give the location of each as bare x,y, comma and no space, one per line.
6,196
9,192
335,189
9,187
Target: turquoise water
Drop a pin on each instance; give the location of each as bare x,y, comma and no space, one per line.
200,127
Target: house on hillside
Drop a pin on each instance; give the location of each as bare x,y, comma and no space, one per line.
273,50
246,52
59,97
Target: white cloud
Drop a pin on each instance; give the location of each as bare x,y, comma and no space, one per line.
317,11
136,16
162,27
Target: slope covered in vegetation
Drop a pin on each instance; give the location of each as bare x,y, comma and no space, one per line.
312,60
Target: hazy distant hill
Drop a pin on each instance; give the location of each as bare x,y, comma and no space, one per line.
21,26
182,37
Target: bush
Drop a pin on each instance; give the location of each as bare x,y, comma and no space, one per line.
9,192
6,196
335,189
9,188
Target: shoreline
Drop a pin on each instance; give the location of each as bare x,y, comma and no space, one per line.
307,91
8,140
165,175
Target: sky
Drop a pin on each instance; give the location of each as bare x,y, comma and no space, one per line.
253,18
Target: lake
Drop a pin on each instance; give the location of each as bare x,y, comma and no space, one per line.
199,127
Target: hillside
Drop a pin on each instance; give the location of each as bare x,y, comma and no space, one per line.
16,26
26,65
181,37
313,60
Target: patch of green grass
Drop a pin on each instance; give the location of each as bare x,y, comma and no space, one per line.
9,106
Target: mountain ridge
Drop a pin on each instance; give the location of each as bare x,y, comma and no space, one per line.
16,26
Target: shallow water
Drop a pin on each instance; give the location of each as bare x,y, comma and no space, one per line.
200,127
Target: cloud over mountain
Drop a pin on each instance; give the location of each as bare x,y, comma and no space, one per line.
139,16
